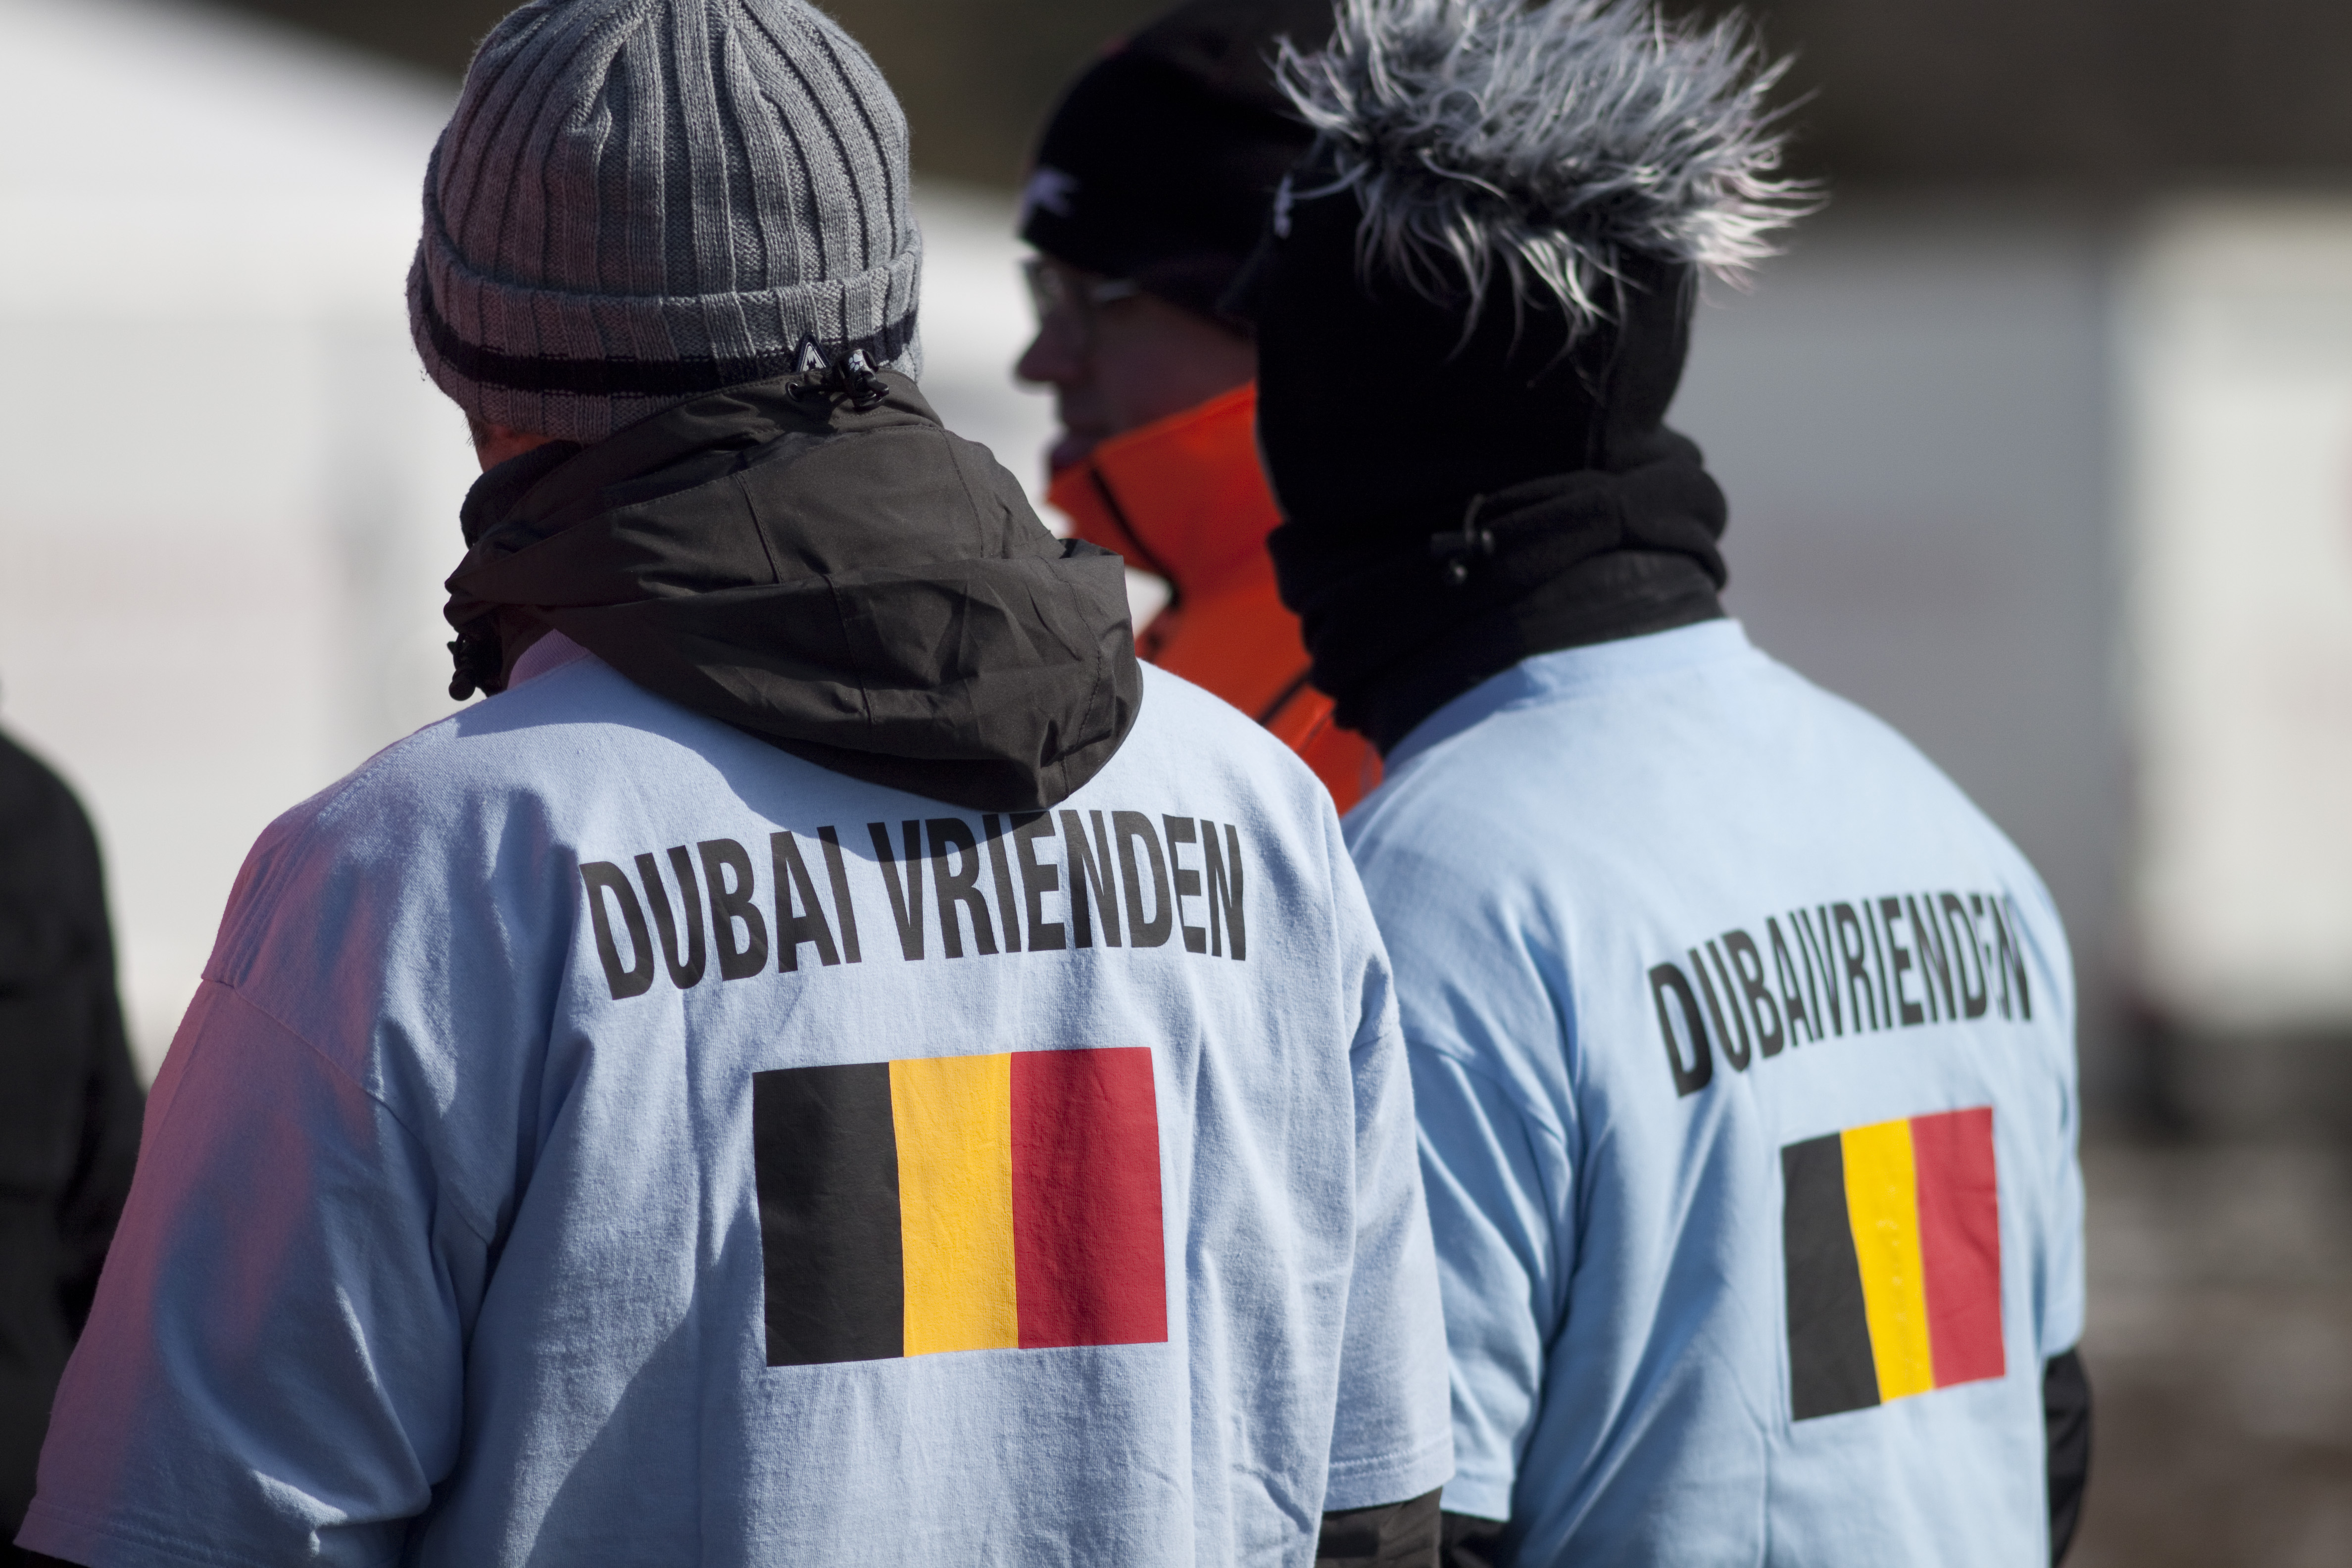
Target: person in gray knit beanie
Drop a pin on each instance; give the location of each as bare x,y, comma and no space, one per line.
833,1062
635,202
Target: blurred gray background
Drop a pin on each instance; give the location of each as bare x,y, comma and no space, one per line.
2039,443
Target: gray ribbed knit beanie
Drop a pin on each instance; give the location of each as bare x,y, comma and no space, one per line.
640,201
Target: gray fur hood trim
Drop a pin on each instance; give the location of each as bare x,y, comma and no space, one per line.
1550,139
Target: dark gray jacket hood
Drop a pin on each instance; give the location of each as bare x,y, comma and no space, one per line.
855,585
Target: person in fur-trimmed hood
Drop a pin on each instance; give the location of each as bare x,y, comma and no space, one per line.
832,1063
1742,1043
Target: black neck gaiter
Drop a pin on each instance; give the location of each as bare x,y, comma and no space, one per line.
1453,506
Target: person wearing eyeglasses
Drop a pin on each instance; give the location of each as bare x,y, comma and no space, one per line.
1148,190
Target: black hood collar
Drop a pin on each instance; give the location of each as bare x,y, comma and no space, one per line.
1455,500
855,585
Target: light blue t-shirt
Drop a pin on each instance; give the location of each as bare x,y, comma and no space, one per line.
1742,1045
602,1138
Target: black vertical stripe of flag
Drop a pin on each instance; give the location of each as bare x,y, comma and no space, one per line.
827,1158
1829,1365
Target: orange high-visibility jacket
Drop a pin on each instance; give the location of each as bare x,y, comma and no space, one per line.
1184,498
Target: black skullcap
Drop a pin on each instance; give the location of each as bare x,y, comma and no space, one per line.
1455,503
1376,407
1160,162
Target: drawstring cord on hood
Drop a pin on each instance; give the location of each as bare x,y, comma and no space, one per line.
1457,547
479,657
850,379
478,653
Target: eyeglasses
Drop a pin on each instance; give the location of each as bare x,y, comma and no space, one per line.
1055,290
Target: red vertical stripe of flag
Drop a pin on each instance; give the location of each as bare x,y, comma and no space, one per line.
1959,1242
1087,1251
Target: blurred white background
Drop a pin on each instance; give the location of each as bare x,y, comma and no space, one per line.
2071,505
229,496
2066,497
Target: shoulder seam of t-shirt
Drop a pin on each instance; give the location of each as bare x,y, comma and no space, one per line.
1518,1101
315,809
455,1198
303,822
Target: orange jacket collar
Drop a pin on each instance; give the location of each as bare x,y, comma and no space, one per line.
1183,497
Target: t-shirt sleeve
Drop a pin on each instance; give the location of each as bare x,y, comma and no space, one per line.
2060,1289
273,1370
1483,1017
1493,1178
1390,1441
2063,1286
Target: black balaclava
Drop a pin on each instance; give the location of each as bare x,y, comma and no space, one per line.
1473,306
1381,429
1159,162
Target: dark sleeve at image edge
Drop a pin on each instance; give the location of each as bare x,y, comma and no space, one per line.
1391,1535
2066,1418
1469,1542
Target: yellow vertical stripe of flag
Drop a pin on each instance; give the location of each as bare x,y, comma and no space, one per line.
953,1120
1883,1205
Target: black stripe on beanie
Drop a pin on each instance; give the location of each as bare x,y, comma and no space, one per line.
619,377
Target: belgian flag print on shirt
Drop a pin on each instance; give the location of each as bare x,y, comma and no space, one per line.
959,1202
1892,1236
